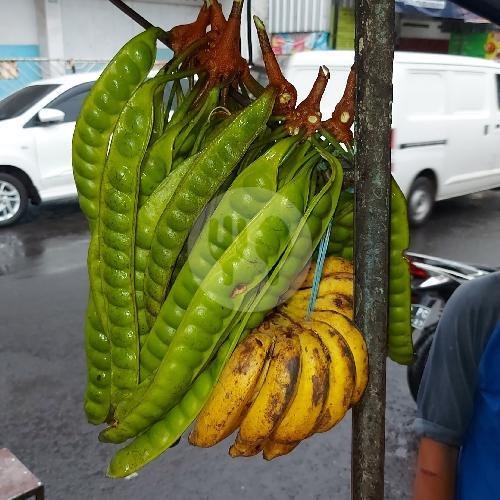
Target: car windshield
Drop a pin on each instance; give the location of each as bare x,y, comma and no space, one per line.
16,104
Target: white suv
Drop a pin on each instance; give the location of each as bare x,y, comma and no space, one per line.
36,128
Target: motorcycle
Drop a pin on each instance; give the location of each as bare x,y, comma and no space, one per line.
433,280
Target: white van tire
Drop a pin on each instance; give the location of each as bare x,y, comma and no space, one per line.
13,199
421,200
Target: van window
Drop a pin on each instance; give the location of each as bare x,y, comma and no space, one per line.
498,91
425,93
468,91
71,101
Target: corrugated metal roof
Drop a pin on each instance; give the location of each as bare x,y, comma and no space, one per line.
291,16
295,16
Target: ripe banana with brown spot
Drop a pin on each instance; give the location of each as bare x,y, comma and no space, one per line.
302,414
342,369
297,305
356,343
334,294
333,266
342,376
232,395
331,285
278,388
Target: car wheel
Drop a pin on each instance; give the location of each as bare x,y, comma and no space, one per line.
421,201
13,199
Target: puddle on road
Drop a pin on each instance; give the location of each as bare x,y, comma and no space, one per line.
52,238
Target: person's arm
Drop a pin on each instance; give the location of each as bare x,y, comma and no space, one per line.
436,471
447,390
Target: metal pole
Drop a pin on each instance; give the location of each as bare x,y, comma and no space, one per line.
374,56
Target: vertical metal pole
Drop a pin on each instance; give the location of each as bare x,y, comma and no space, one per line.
374,57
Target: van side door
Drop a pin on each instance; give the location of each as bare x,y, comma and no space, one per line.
495,131
469,158
419,124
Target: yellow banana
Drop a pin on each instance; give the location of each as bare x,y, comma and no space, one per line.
251,449
356,343
273,398
232,394
298,303
272,449
302,414
334,266
331,285
342,375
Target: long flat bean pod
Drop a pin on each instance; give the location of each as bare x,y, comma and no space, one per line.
319,213
147,219
342,236
118,210
100,111
216,302
162,434
249,192
212,165
159,157
97,401
97,345
186,138
400,346
93,129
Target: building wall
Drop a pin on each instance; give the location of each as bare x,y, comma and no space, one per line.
422,27
91,29
16,42
18,22
95,29
421,34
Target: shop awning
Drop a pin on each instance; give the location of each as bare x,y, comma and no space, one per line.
466,10
432,8
489,9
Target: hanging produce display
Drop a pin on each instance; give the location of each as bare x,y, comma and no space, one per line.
205,221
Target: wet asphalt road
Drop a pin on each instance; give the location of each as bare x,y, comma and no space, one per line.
43,293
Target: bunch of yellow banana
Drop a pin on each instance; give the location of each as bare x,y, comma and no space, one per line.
290,378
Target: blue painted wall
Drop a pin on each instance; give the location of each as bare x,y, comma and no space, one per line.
28,72
164,54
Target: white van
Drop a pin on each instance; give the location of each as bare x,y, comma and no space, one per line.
446,120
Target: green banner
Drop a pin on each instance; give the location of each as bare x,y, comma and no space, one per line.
485,44
345,29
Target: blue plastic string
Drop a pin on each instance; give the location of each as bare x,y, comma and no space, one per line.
323,247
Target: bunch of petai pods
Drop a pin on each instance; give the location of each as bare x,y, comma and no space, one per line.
206,196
